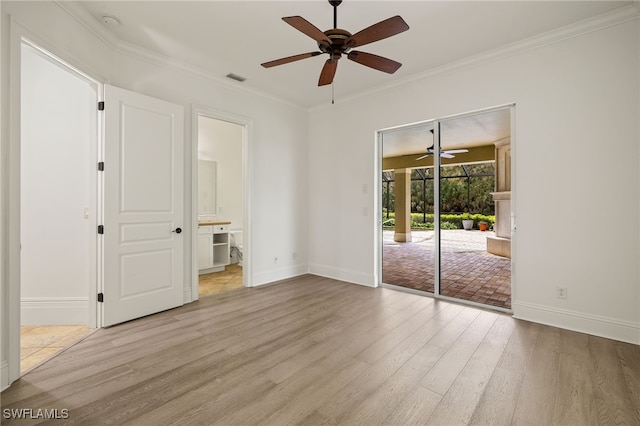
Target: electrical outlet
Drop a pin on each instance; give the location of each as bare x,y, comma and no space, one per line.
561,292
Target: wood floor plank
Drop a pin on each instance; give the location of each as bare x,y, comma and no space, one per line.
376,407
316,351
501,394
342,405
415,409
537,397
316,399
499,399
575,400
629,356
386,343
613,403
355,338
321,376
465,393
440,378
520,347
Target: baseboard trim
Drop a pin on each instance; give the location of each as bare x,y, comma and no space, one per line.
54,311
279,274
610,328
340,274
187,296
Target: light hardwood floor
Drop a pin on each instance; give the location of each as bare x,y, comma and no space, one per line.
317,351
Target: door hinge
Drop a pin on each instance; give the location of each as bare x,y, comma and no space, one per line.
100,297
100,229
101,106
101,166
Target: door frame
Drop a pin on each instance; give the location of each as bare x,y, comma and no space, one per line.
247,179
379,241
19,35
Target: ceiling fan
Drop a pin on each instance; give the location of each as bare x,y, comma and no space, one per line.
447,153
336,42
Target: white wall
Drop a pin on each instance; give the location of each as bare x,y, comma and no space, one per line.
575,163
278,150
221,141
58,156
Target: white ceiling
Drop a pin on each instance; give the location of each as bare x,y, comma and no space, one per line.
221,37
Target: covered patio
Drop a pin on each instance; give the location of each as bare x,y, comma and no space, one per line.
468,271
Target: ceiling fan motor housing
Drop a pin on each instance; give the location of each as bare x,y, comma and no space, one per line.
338,37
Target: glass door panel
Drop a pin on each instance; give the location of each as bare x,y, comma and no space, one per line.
468,268
408,249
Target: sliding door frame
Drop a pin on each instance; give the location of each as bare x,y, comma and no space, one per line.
436,207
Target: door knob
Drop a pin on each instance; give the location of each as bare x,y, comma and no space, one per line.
177,230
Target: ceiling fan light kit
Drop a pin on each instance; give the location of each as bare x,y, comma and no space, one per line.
337,42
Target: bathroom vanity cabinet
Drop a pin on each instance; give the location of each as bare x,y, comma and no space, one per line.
213,246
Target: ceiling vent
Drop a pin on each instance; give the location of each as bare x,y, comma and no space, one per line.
110,21
236,77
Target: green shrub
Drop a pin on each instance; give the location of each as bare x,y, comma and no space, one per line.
453,221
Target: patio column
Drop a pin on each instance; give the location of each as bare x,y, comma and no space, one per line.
403,205
501,244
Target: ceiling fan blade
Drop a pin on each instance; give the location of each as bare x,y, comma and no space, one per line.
374,61
306,27
383,29
290,59
424,156
446,155
455,151
328,72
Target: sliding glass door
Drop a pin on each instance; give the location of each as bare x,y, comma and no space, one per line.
446,214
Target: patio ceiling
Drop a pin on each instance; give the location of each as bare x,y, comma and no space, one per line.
464,132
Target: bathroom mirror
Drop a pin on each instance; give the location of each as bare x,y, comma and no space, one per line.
207,178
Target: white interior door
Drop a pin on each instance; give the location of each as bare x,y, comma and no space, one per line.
143,206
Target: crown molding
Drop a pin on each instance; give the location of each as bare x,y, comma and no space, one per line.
596,23
78,12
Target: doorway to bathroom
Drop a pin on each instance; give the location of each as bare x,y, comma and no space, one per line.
221,203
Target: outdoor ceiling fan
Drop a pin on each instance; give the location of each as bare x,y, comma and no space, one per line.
336,42
447,153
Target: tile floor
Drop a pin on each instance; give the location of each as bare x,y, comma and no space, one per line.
39,343
218,282
468,272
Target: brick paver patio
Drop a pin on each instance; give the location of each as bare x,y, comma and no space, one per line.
467,271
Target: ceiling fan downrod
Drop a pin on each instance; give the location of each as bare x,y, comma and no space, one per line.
335,4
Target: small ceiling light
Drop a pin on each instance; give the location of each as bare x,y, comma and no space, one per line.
110,21
236,77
